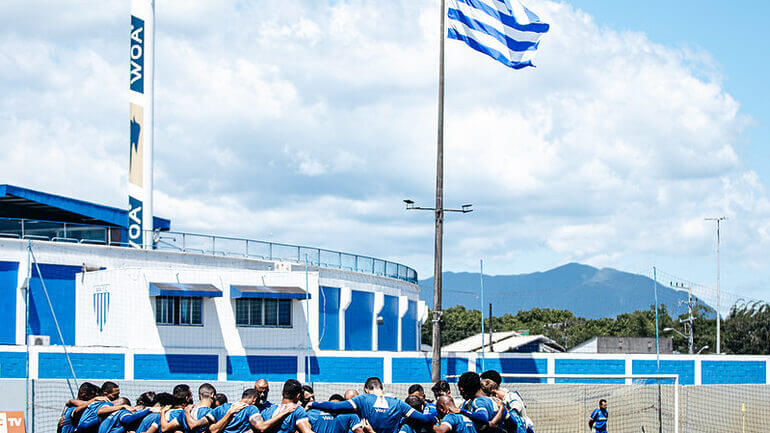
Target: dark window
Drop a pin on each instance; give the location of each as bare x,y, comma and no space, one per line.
263,312
177,310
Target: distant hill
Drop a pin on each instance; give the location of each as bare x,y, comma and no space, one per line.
586,291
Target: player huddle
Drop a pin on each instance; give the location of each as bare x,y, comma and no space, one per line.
484,408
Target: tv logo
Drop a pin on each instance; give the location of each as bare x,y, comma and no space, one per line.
12,422
137,54
134,223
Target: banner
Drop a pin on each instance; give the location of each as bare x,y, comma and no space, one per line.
12,422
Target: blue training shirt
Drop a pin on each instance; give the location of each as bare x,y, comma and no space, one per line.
67,427
90,415
324,422
482,405
153,419
600,420
240,422
513,423
199,412
289,424
122,420
178,415
349,421
459,423
383,413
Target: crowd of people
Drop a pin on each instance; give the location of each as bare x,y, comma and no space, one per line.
482,407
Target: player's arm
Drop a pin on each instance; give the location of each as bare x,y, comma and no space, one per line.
192,423
479,416
346,406
303,426
167,425
131,418
355,424
499,416
260,425
591,420
220,425
108,409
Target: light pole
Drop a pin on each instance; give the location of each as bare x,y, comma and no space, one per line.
702,349
688,336
689,321
437,274
719,317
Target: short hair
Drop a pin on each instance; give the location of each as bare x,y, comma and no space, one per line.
440,388
414,401
415,388
122,400
308,388
108,387
87,391
181,392
291,389
492,375
602,401
206,390
147,399
488,385
164,399
336,397
373,383
220,399
470,382
249,393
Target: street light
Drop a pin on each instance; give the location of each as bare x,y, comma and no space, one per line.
702,349
410,205
673,330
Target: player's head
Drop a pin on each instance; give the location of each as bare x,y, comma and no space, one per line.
219,399
602,404
441,388
249,396
308,395
416,402
122,401
350,394
469,384
263,389
492,375
87,391
147,399
444,404
164,399
182,395
372,385
292,390
111,390
336,397
418,391
205,391
488,386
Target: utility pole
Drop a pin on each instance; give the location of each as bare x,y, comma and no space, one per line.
689,321
491,349
719,311
437,253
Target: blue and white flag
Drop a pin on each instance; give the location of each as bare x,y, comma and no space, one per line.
502,29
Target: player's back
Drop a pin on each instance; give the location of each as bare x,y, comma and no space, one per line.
459,423
289,424
347,422
323,422
67,426
181,419
153,418
91,416
383,413
482,404
240,421
199,412
111,423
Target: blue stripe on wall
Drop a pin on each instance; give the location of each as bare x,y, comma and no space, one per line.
409,328
515,365
176,367
9,281
271,368
685,369
358,321
734,372
329,318
387,333
13,365
60,282
418,370
86,365
590,366
340,369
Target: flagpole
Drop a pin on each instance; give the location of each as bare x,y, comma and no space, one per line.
437,254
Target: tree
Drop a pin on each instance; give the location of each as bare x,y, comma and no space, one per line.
747,329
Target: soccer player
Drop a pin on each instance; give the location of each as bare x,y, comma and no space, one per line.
124,419
243,416
219,400
451,418
411,426
598,419
98,410
323,422
297,419
428,407
263,389
151,423
512,400
350,394
174,420
196,415
383,413
87,393
484,412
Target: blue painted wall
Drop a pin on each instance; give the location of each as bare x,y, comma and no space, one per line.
515,365
737,372
60,282
13,365
343,369
270,368
409,328
86,365
590,366
418,370
685,369
9,280
176,367
329,318
387,333
358,321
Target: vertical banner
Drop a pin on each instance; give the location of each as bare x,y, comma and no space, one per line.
141,101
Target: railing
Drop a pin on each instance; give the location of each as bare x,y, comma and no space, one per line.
206,244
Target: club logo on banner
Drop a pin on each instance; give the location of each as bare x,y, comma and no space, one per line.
101,305
137,54
136,161
12,422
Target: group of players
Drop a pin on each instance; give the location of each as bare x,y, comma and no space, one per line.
484,407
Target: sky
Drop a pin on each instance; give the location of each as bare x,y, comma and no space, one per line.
308,122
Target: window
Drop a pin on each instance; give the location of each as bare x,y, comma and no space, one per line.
177,310
263,312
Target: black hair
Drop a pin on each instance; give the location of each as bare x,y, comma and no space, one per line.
336,397
470,383
373,383
206,390
181,394
415,402
220,399
602,401
492,375
308,388
164,399
440,388
87,391
123,400
249,393
147,399
108,387
416,388
292,389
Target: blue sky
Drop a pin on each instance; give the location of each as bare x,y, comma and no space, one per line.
308,122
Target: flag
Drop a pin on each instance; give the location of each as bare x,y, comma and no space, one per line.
502,29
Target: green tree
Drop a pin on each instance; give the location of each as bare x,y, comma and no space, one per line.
746,329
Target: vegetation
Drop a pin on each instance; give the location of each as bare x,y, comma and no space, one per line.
746,330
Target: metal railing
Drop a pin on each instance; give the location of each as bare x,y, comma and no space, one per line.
206,244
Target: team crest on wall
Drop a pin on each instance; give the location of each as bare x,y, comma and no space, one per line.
101,305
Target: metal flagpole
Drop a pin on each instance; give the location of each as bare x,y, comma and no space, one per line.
483,349
437,272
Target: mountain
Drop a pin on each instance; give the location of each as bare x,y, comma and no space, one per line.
586,291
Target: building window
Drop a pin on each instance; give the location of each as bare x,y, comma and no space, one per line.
263,312
177,310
